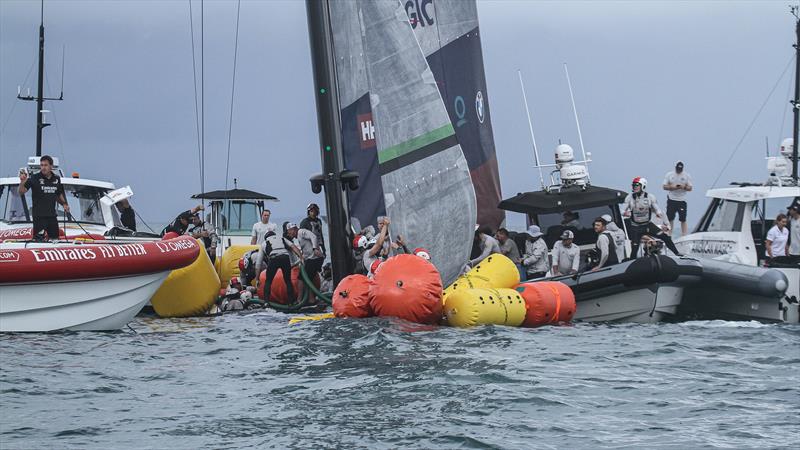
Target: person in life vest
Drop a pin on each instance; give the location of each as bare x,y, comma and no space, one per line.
205,231
605,245
277,249
46,190
248,265
307,241
535,258
619,236
640,208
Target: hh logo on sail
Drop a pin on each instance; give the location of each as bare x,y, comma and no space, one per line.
366,130
419,12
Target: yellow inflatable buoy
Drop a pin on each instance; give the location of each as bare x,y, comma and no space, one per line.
229,263
470,307
496,271
189,291
312,317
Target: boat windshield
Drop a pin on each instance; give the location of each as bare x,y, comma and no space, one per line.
84,204
241,215
723,215
579,221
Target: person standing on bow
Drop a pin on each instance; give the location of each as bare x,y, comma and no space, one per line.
677,183
639,207
46,190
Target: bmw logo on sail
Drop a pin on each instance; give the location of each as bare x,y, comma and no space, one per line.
479,106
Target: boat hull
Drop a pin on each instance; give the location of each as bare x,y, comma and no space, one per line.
79,305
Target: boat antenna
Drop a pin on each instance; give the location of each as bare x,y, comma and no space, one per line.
233,94
530,126
40,98
796,101
577,123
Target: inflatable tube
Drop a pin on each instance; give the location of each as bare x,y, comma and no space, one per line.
547,302
278,293
26,234
189,291
496,271
351,297
749,279
170,235
408,287
34,262
471,307
229,263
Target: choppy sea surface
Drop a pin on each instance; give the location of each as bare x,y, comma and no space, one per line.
254,381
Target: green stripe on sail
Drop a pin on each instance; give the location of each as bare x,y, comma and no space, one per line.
416,143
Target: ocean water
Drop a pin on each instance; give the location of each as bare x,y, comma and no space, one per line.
254,381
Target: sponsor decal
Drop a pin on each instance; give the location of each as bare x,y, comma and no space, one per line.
88,253
479,111
15,233
366,131
460,110
8,256
170,246
419,12
704,247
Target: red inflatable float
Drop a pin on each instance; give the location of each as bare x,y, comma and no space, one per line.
351,297
548,302
408,287
278,292
21,263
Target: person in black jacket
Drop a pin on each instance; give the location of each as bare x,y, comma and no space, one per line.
46,189
181,223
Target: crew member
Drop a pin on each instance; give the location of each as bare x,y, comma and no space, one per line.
794,230
619,236
507,246
677,183
605,245
181,223
640,207
326,285
126,214
374,246
248,266
571,220
46,190
313,223
535,257
778,238
309,246
486,243
277,248
566,255
261,228
205,231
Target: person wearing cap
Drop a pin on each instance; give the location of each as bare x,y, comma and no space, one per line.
181,223
277,249
374,246
566,255
605,245
309,246
794,230
617,234
262,227
534,260
677,183
205,231
313,223
486,243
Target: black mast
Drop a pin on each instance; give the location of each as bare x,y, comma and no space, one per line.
796,101
40,98
333,178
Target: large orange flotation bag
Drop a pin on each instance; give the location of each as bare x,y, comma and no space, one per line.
408,287
351,297
548,302
278,292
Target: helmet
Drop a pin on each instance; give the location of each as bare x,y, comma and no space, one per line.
372,241
243,263
422,253
641,181
245,296
235,281
359,242
375,264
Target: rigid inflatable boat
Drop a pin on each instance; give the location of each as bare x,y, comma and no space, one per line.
91,285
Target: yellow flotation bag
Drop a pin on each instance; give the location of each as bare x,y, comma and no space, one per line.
189,291
229,263
496,271
470,307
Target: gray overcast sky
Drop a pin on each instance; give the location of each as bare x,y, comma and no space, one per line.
654,82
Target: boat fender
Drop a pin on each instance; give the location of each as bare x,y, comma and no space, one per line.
547,302
351,297
483,306
189,291
407,287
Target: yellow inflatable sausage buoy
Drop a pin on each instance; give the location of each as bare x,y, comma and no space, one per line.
189,291
496,271
229,263
470,307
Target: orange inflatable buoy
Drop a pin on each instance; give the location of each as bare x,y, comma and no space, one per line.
351,297
170,235
278,292
548,302
408,287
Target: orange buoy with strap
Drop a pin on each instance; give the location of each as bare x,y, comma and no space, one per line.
548,302
408,287
278,292
351,297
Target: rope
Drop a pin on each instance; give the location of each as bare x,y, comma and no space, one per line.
142,220
233,92
749,127
196,108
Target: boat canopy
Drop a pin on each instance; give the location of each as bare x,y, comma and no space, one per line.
749,193
573,198
234,194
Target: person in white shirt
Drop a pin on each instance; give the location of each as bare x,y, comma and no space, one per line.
535,257
778,238
794,231
619,236
566,255
677,183
260,229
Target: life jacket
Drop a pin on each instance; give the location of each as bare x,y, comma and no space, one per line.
275,245
612,249
641,208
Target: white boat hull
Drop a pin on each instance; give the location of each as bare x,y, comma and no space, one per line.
86,305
